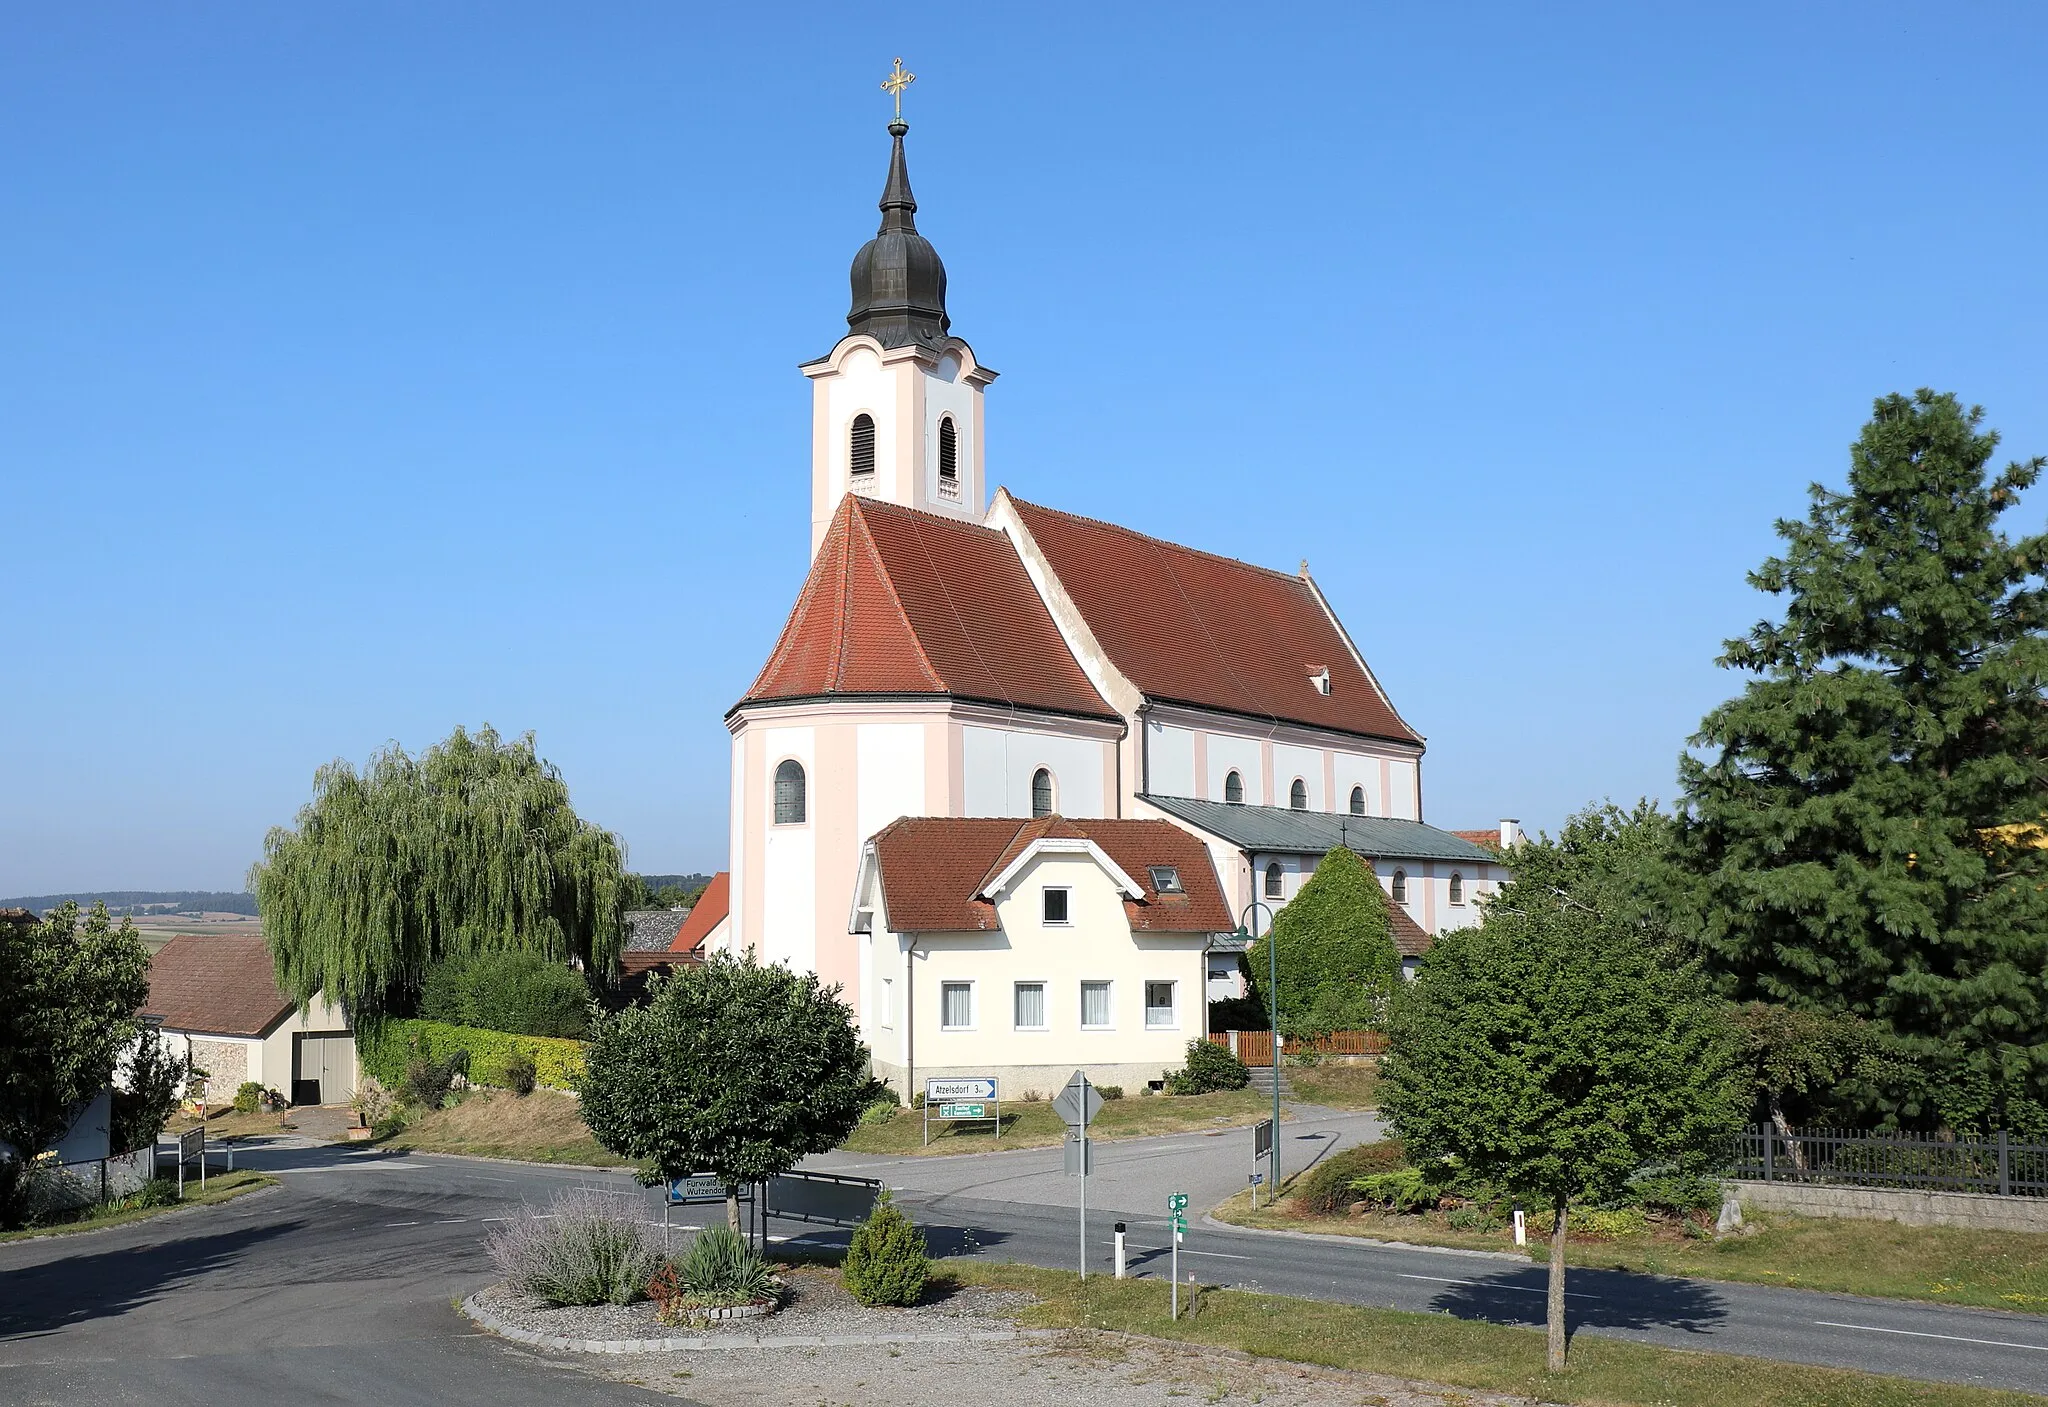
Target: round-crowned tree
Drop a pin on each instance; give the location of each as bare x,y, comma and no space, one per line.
732,1068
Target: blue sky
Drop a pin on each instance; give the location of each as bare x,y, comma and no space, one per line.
370,369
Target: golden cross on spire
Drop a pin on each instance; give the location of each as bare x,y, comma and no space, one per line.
895,83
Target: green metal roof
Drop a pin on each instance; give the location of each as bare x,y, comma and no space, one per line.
1278,829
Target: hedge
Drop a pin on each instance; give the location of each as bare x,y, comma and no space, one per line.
394,1043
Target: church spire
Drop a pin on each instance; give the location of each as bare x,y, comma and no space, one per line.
899,283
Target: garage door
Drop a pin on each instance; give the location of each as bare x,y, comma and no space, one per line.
323,1069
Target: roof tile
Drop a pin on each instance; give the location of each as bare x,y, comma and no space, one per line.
222,984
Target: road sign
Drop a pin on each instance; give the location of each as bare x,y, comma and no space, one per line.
1258,1179
963,1111
972,1087
1178,1202
1262,1139
1078,1103
685,1191
1076,1149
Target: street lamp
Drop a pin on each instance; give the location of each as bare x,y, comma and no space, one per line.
1247,928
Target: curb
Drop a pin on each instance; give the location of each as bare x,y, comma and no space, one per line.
1210,1219
484,1317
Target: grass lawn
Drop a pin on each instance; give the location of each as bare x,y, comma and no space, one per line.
1036,1126
225,1124
1439,1349
220,1187
1948,1265
1337,1086
542,1127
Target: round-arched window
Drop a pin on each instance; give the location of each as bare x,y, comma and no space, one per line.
1273,880
1358,801
949,449
1400,886
861,444
1233,787
1457,887
1297,795
1041,792
789,792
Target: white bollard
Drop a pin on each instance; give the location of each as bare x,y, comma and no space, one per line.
1521,1229
1119,1250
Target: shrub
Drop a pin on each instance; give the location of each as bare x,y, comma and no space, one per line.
1032,1096
720,1269
879,1112
1110,1091
388,1047
1399,1190
1669,1191
427,1082
886,1263
590,1248
1473,1219
1210,1067
247,1095
521,994
1607,1223
514,1072
1239,1014
1327,1190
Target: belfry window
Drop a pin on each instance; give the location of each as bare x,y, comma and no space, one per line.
1041,792
1358,801
1400,886
1233,788
1297,795
949,449
861,444
789,793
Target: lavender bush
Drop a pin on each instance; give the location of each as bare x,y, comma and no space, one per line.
589,1247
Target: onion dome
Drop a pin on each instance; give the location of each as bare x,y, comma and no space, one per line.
899,285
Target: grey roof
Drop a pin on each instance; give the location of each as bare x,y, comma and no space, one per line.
1277,829
650,930
899,282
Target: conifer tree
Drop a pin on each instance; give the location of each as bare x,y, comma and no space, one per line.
472,847
1863,813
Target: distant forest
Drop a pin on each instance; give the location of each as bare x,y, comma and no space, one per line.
144,901
684,882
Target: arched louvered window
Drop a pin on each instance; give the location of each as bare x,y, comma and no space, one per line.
1400,886
1273,880
1297,795
949,449
1457,887
861,443
1358,801
1041,792
1233,787
789,793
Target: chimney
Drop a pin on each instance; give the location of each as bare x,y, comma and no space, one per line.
1510,833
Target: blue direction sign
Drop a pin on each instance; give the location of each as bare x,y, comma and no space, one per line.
938,1091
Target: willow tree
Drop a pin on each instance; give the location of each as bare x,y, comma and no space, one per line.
471,847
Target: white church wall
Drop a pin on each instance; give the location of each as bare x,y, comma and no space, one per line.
889,766
1356,771
1403,800
1306,763
1169,759
944,396
790,857
863,384
998,763
1227,754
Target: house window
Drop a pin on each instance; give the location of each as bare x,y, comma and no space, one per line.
1030,1006
956,1006
1358,801
1159,1014
949,449
1095,1006
1297,795
1400,886
1056,906
789,793
1457,887
861,444
1165,879
885,1003
1041,792
1273,880
1233,788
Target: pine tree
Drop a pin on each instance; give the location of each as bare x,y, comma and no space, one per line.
1861,818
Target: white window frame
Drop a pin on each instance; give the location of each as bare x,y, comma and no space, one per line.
973,1003
1068,921
1172,985
1108,982
885,1003
1044,986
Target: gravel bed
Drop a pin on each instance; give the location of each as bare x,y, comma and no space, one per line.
814,1305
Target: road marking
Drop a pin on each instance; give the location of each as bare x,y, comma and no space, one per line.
494,1218
1917,1334
1493,1285
401,1223
452,1221
1220,1255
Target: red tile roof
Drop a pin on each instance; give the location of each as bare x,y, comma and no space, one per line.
1490,837
711,908
222,984
932,867
1190,627
1411,939
904,602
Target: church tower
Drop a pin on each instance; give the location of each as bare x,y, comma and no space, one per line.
896,407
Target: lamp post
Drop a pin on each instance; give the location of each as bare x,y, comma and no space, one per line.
1247,928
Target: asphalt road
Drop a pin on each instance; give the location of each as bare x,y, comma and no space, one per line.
337,1287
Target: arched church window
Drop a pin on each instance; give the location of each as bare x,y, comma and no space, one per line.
1297,795
1358,801
1233,787
949,449
1041,792
789,792
1400,886
1457,887
862,444
1273,880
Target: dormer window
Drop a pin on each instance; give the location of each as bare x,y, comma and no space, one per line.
861,444
1297,795
1233,789
949,451
1165,879
1320,680
1358,801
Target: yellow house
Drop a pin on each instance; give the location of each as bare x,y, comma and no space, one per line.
1023,950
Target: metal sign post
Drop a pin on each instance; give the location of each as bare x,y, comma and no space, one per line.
1077,1104
1176,1207
1262,1148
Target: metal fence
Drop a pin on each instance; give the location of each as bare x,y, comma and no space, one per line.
1996,1163
63,1188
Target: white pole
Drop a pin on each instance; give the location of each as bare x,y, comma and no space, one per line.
1119,1250
1174,1275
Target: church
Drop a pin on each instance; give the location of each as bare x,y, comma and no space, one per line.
968,679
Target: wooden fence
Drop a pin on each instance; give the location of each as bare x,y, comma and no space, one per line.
1256,1047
